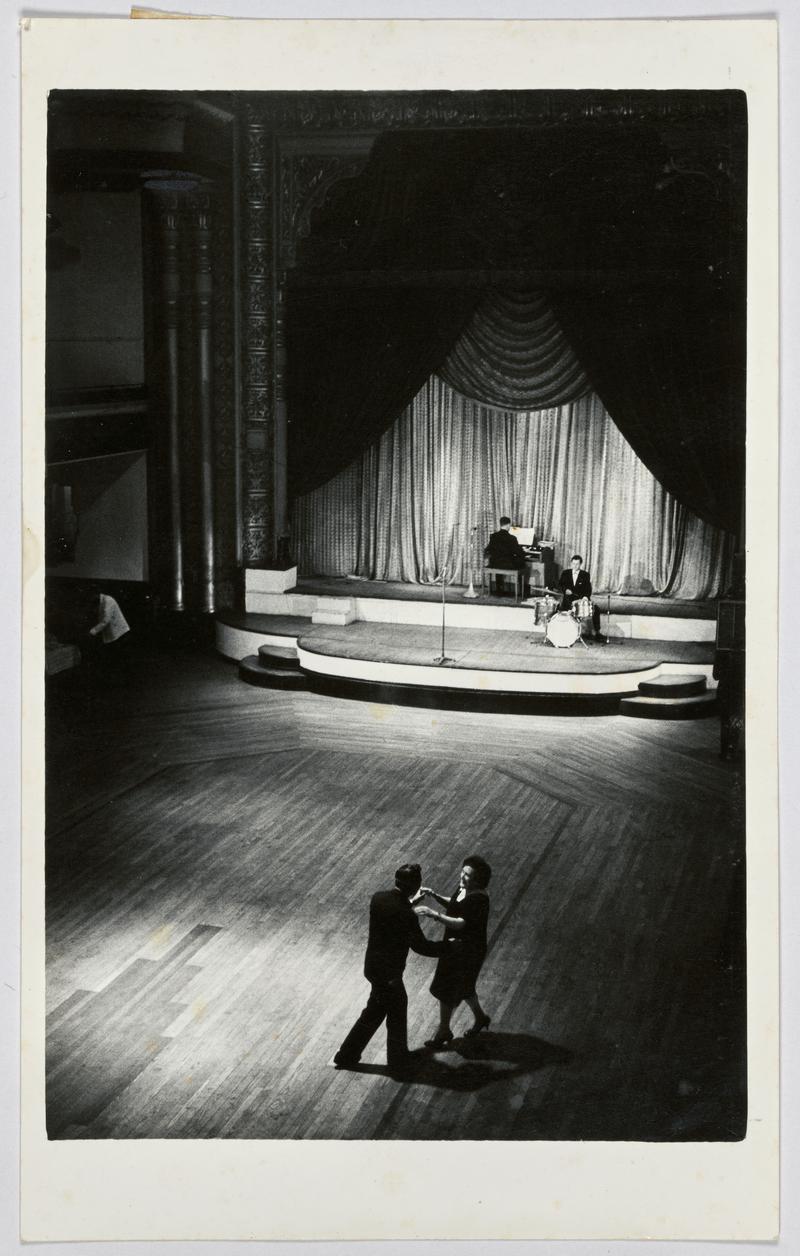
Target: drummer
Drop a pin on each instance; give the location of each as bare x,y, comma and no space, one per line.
576,584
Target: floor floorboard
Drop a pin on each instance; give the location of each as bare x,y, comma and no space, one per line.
211,851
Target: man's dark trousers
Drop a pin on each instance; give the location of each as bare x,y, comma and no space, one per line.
393,931
387,1001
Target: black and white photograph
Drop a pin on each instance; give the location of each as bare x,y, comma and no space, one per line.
395,458
395,535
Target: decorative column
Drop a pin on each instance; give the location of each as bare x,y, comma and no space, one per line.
278,311
257,232
280,469
169,204
285,177
204,382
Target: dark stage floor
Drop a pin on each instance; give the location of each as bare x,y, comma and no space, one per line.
490,650
211,852
621,604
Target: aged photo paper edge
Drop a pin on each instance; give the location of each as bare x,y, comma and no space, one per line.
259,1190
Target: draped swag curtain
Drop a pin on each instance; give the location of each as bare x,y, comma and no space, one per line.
405,507
514,354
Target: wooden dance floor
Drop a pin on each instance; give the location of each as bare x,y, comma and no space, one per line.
211,852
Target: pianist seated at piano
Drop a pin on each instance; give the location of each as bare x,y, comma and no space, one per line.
504,550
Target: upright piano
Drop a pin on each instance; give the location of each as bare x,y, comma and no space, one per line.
540,566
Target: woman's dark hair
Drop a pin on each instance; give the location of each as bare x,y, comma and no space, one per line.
480,867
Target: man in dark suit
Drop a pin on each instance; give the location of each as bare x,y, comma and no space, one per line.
574,585
393,931
504,550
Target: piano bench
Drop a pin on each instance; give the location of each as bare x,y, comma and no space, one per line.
506,573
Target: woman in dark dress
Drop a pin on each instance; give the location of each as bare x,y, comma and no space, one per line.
465,921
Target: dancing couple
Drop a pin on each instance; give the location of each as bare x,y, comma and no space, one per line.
394,930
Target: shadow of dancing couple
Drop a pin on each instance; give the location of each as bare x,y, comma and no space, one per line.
394,929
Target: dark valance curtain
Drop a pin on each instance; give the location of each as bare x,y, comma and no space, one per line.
356,358
514,355
371,311
668,361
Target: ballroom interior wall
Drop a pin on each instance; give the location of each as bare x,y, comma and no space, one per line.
95,321
105,372
109,496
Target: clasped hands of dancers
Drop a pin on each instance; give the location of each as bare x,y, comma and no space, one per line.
394,929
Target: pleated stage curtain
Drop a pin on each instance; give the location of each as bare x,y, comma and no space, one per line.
514,354
406,507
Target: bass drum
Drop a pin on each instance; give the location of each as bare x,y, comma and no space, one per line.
563,630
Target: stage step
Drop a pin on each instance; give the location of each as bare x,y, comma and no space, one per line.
254,672
335,611
280,656
673,686
694,707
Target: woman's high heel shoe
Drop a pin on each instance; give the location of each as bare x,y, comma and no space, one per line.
440,1040
483,1023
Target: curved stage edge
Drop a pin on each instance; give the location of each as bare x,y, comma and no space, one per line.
396,663
533,683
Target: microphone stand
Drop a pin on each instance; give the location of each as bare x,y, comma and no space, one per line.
608,618
471,590
442,658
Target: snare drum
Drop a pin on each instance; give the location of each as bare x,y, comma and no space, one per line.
582,608
543,609
563,630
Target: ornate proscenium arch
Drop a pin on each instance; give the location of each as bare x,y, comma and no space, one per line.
310,166
442,195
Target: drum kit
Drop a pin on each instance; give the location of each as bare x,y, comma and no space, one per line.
562,628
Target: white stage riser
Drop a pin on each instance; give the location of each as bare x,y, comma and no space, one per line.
475,681
256,603
259,580
663,628
461,615
238,643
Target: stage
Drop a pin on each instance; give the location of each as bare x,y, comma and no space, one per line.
370,635
394,601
